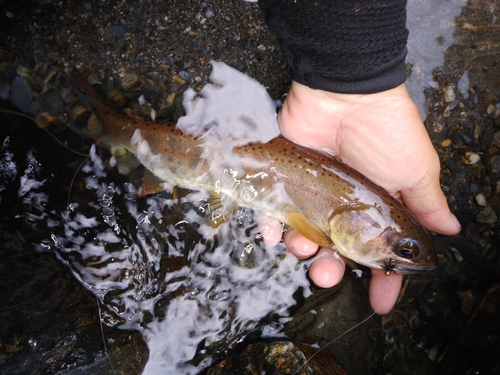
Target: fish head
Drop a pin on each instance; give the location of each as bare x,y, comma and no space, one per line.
388,238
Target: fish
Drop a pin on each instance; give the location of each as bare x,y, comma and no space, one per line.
322,198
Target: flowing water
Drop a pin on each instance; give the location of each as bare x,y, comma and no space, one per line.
151,262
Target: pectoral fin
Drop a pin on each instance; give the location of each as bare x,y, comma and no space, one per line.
151,184
221,209
308,229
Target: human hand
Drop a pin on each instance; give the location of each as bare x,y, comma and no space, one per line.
382,136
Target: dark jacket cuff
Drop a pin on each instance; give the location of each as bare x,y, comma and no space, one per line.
384,78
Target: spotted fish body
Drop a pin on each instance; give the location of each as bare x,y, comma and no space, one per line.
321,197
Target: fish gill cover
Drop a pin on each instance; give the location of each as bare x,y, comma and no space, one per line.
150,260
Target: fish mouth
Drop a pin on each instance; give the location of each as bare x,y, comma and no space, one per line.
406,269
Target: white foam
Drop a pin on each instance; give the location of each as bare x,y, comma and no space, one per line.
234,107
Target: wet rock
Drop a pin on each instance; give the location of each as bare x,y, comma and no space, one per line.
112,33
44,119
67,95
468,301
129,80
76,111
20,94
8,170
178,80
487,216
446,142
466,123
4,91
452,165
495,142
322,327
54,104
280,357
494,165
491,110
486,138
449,93
470,158
186,76
481,200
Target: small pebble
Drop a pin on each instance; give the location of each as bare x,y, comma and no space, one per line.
449,93
44,119
497,188
76,111
178,80
170,99
446,142
494,165
487,216
186,76
481,200
470,158
20,94
4,91
129,80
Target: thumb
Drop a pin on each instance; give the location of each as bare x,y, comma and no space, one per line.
427,202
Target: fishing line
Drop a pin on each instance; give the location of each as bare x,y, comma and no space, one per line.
8,111
74,176
102,333
338,337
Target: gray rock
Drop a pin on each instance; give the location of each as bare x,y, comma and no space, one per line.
494,165
280,357
4,91
487,216
55,104
112,33
67,95
20,94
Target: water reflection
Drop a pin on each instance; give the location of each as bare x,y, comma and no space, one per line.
431,25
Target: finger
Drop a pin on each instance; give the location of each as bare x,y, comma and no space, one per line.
384,290
299,246
428,203
328,270
271,229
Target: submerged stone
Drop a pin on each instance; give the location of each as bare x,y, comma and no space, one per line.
20,94
487,216
280,357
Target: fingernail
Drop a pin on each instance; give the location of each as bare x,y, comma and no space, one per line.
457,223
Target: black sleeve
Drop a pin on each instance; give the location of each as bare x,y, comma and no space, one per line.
343,46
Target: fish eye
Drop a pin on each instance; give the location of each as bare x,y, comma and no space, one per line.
408,249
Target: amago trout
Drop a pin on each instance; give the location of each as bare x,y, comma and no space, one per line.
322,198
